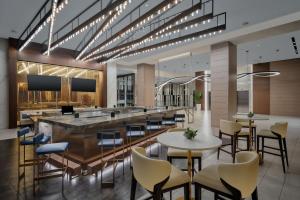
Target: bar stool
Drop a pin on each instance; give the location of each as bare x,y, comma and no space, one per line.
110,140
180,118
134,131
25,141
153,125
278,132
234,181
43,153
168,121
233,131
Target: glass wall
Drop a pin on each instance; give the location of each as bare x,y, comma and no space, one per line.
125,90
28,100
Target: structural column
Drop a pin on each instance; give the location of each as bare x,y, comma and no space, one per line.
223,82
145,82
111,84
200,87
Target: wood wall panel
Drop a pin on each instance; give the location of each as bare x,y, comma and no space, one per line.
285,88
145,84
261,90
223,82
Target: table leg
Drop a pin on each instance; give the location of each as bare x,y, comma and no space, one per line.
250,135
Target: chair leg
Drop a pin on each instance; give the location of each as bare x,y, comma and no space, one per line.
281,153
133,188
220,136
234,139
186,192
193,166
257,144
197,192
254,195
199,164
286,153
262,147
248,142
215,196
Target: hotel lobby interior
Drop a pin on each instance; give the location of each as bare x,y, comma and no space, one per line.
150,99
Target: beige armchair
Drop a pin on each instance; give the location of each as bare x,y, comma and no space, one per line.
235,181
233,130
278,132
156,176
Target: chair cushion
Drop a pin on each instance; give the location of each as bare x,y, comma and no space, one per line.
135,133
110,142
38,139
23,131
182,153
168,122
26,142
45,139
266,133
209,177
179,120
177,177
153,127
52,148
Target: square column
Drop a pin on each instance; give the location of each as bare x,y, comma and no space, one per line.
111,84
223,82
145,84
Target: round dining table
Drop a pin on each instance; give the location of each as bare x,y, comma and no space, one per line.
201,142
250,120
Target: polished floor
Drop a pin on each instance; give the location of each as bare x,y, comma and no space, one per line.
272,184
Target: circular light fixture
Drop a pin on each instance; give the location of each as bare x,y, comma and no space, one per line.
262,74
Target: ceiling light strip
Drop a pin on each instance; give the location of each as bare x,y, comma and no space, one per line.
42,23
175,41
149,37
157,10
51,25
109,20
197,78
168,25
118,6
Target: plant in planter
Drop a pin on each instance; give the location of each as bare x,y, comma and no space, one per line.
250,114
190,133
197,99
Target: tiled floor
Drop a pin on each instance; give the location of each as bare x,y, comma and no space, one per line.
272,184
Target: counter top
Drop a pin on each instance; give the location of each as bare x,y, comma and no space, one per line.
97,118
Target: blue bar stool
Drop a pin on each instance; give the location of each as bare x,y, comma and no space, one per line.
25,141
180,118
153,125
110,140
134,131
42,153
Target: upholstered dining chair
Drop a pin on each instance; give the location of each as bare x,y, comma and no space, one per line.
233,131
156,176
233,180
245,124
278,132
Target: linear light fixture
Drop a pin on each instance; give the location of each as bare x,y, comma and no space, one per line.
25,68
171,25
157,10
176,41
159,87
200,78
98,33
117,6
80,73
57,71
49,70
51,25
175,57
41,24
263,74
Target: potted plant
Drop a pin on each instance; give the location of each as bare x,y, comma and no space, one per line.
190,134
197,99
250,114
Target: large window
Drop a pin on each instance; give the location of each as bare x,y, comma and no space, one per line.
125,90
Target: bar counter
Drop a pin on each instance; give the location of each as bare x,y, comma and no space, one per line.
81,132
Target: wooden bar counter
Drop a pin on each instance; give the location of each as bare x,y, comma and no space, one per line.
81,132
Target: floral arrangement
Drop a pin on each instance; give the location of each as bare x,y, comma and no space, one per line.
190,133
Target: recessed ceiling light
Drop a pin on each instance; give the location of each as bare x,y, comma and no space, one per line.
146,5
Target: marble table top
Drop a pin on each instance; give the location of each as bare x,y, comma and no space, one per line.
177,140
254,117
99,118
